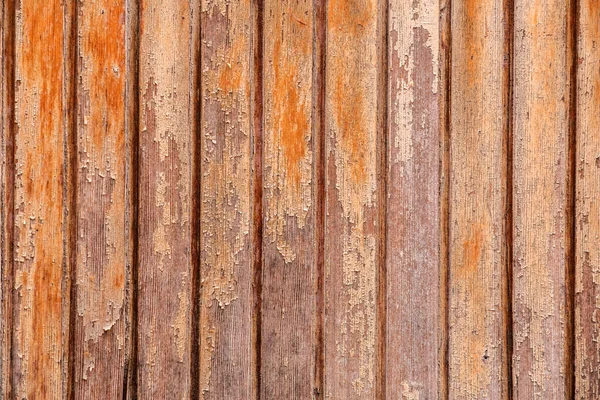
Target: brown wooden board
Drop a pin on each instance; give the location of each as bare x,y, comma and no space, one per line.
226,324
477,354
413,204
165,269
541,364
587,300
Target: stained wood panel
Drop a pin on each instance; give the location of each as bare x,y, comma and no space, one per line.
541,359
288,284
166,142
478,280
226,314
99,359
587,359
414,323
352,202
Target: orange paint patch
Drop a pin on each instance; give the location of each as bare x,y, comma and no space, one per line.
351,16
290,113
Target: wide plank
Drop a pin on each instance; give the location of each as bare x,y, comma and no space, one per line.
226,314
289,273
541,364
165,270
414,331
352,204
99,360
478,199
40,296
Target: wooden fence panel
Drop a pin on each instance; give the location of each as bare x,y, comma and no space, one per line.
262,199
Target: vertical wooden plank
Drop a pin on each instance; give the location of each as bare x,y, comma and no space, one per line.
100,273
352,204
166,133
587,326
288,299
413,217
478,203
226,221
541,174
39,357
6,190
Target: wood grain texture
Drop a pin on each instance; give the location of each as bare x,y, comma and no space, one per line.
540,198
587,283
166,145
6,193
352,204
39,349
288,296
413,217
100,276
226,368
478,200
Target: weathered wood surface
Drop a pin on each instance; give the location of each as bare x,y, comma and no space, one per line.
40,295
166,145
478,280
587,239
352,199
241,199
100,345
414,323
541,181
289,269
226,219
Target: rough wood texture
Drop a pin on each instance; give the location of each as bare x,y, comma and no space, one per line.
541,234
40,283
478,199
100,273
166,145
587,303
413,218
226,369
288,301
352,204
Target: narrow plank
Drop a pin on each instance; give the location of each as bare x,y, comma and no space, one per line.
6,191
413,214
226,368
288,296
478,200
541,233
165,185
100,272
587,326
39,355
352,204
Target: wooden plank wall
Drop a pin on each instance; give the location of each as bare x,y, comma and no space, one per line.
303,199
